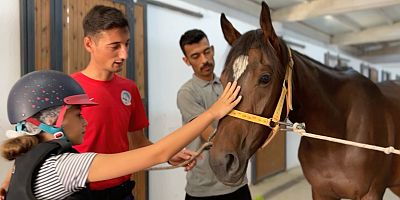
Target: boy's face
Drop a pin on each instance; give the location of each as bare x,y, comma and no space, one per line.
201,57
109,49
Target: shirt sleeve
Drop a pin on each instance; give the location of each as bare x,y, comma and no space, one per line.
139,118
189,106
73,170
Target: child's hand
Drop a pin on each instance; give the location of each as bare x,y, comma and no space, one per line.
3,192
227,101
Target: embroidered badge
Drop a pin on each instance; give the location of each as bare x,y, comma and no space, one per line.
126,98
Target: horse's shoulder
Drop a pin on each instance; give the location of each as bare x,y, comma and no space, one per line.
358,82
359,89
391,90
390,84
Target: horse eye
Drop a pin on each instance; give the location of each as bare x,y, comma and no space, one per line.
265,79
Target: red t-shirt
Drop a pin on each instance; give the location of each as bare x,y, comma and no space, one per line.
120,110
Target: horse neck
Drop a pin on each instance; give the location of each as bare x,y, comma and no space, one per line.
313,88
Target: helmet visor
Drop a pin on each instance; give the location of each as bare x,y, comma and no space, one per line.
80,99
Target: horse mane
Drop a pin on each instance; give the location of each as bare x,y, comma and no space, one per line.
254,39
318,63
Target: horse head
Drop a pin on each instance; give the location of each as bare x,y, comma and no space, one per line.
257,60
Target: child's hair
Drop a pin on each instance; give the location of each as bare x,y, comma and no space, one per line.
14,147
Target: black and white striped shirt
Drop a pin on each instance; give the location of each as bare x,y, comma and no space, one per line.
62,175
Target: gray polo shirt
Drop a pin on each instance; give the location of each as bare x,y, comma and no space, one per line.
195,97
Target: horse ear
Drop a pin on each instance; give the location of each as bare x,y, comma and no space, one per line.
230,33
267,28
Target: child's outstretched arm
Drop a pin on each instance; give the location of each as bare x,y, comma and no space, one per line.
107,166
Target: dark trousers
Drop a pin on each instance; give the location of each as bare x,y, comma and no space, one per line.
120,192
242,193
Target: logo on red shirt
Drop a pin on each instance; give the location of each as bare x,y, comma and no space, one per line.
126,98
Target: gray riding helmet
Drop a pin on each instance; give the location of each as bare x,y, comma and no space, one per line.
39,90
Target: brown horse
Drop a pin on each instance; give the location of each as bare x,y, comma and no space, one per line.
336,103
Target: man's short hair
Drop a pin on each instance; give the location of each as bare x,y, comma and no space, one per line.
191,37
101,18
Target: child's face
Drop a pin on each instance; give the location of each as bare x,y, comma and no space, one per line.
74,124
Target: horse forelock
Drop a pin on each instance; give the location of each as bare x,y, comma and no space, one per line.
238,57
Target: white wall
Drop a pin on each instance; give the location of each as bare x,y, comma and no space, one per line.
10,64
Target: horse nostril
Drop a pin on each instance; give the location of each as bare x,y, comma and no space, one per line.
230,161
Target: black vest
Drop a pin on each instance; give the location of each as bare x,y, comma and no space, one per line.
27,165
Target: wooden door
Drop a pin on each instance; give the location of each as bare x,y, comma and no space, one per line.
271,159
74,56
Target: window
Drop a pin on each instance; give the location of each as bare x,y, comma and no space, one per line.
336,61
364,70
385,75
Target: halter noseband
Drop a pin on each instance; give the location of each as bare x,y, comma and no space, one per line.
274,121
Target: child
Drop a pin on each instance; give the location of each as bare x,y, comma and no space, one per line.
46,105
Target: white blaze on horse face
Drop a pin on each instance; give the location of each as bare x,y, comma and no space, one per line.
239,66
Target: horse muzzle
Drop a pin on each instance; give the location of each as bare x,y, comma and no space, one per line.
227,167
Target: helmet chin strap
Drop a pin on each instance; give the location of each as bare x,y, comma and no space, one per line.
57,130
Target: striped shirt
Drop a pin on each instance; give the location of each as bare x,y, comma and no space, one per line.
62,175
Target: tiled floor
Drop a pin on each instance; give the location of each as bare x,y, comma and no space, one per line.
290,185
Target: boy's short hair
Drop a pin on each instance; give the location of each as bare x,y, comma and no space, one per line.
101,18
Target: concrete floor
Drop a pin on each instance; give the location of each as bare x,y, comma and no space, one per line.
290,185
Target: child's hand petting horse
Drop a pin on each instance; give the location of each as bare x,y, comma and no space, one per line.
226,102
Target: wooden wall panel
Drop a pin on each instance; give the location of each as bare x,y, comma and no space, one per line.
75,57
271,159
42,34
140,75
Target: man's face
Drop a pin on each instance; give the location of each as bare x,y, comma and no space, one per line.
201,57
109,49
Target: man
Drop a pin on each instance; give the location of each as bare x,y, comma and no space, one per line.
194,97
120,115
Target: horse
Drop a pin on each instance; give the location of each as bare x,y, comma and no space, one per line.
336,103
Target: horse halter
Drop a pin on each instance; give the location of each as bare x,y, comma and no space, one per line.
273,122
